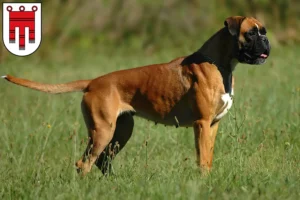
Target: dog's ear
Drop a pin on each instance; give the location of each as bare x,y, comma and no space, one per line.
233,24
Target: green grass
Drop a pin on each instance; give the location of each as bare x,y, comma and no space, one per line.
257,151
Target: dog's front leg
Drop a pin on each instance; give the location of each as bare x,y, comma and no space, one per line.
204,143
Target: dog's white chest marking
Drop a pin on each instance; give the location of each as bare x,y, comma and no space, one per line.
227,99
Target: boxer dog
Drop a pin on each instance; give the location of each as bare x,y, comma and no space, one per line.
194,90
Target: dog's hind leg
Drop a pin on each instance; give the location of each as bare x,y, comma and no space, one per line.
89,125
101,123
121,136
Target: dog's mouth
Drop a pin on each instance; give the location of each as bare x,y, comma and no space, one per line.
255,59
264,55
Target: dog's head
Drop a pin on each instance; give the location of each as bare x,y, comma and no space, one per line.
251,41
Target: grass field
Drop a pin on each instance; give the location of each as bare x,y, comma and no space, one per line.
257,152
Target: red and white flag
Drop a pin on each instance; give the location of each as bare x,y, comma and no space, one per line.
22,27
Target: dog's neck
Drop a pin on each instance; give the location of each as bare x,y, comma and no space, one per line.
222,57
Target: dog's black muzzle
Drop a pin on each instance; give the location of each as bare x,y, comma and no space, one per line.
255,52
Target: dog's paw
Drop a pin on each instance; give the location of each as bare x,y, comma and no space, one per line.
79,165
205,170
82,167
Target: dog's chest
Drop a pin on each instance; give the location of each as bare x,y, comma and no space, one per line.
227,101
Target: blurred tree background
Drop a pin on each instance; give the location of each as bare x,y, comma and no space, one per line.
71,27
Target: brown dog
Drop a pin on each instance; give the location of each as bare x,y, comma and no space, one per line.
188,91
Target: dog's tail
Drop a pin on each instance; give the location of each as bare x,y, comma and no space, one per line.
80,85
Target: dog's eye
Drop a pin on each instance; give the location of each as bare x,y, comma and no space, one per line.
251,33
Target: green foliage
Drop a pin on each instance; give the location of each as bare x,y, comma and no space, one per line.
257,152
